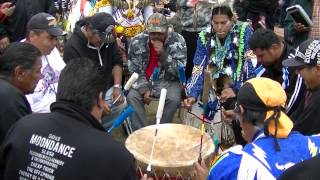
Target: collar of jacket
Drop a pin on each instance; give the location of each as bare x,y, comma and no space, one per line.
76,112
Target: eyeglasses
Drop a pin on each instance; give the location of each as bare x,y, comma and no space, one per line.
101,35
108,30
108,36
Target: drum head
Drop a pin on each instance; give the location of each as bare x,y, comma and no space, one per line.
176,145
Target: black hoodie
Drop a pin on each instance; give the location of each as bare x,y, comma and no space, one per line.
68,143
77,46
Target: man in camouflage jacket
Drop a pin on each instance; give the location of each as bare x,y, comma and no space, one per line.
155,55
195,17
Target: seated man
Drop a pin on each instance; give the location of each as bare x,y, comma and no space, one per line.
69,142
273,146
270,52
93,37
158,48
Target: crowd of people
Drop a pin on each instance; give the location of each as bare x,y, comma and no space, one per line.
56,104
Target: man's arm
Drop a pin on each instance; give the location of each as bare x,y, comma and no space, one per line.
295,33
174,55
117,64
136,59
195,82
117,74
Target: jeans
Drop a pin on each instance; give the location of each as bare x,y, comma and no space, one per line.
116,110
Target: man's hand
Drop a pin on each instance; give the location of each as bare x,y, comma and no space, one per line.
115,94
7,9
189,102
226,94
4,42
158,46
228,115
145,177
202,170
299,27
147,97
106,109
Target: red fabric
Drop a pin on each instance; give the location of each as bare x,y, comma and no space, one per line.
153,61
2,16
82,5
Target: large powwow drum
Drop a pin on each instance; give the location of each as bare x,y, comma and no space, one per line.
175,151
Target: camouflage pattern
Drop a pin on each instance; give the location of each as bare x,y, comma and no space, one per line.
175,22
203,15
176,52
124,4
157,23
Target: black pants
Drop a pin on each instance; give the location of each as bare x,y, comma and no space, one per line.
191,42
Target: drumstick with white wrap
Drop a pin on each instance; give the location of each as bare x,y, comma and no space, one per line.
162,101
127,86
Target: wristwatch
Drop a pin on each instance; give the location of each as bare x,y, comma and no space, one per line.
117,86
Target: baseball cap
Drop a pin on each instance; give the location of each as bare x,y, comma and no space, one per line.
101,21
157,23
45,21
307,53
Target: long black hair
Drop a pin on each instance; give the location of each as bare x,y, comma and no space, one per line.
223,9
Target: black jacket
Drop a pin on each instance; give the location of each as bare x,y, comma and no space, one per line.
15,26
253,9
306,117
68,143
77,47
13,106
308,169
296,88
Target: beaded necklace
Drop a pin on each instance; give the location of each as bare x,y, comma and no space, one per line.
232,50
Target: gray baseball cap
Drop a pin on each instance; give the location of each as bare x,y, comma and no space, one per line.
45,21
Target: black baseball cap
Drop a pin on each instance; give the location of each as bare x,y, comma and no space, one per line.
307,53
101,21
45,21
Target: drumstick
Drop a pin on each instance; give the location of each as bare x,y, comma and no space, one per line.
131,80
205,98
162,100
123,116
127,86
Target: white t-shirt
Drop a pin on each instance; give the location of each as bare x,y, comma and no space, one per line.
46,89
